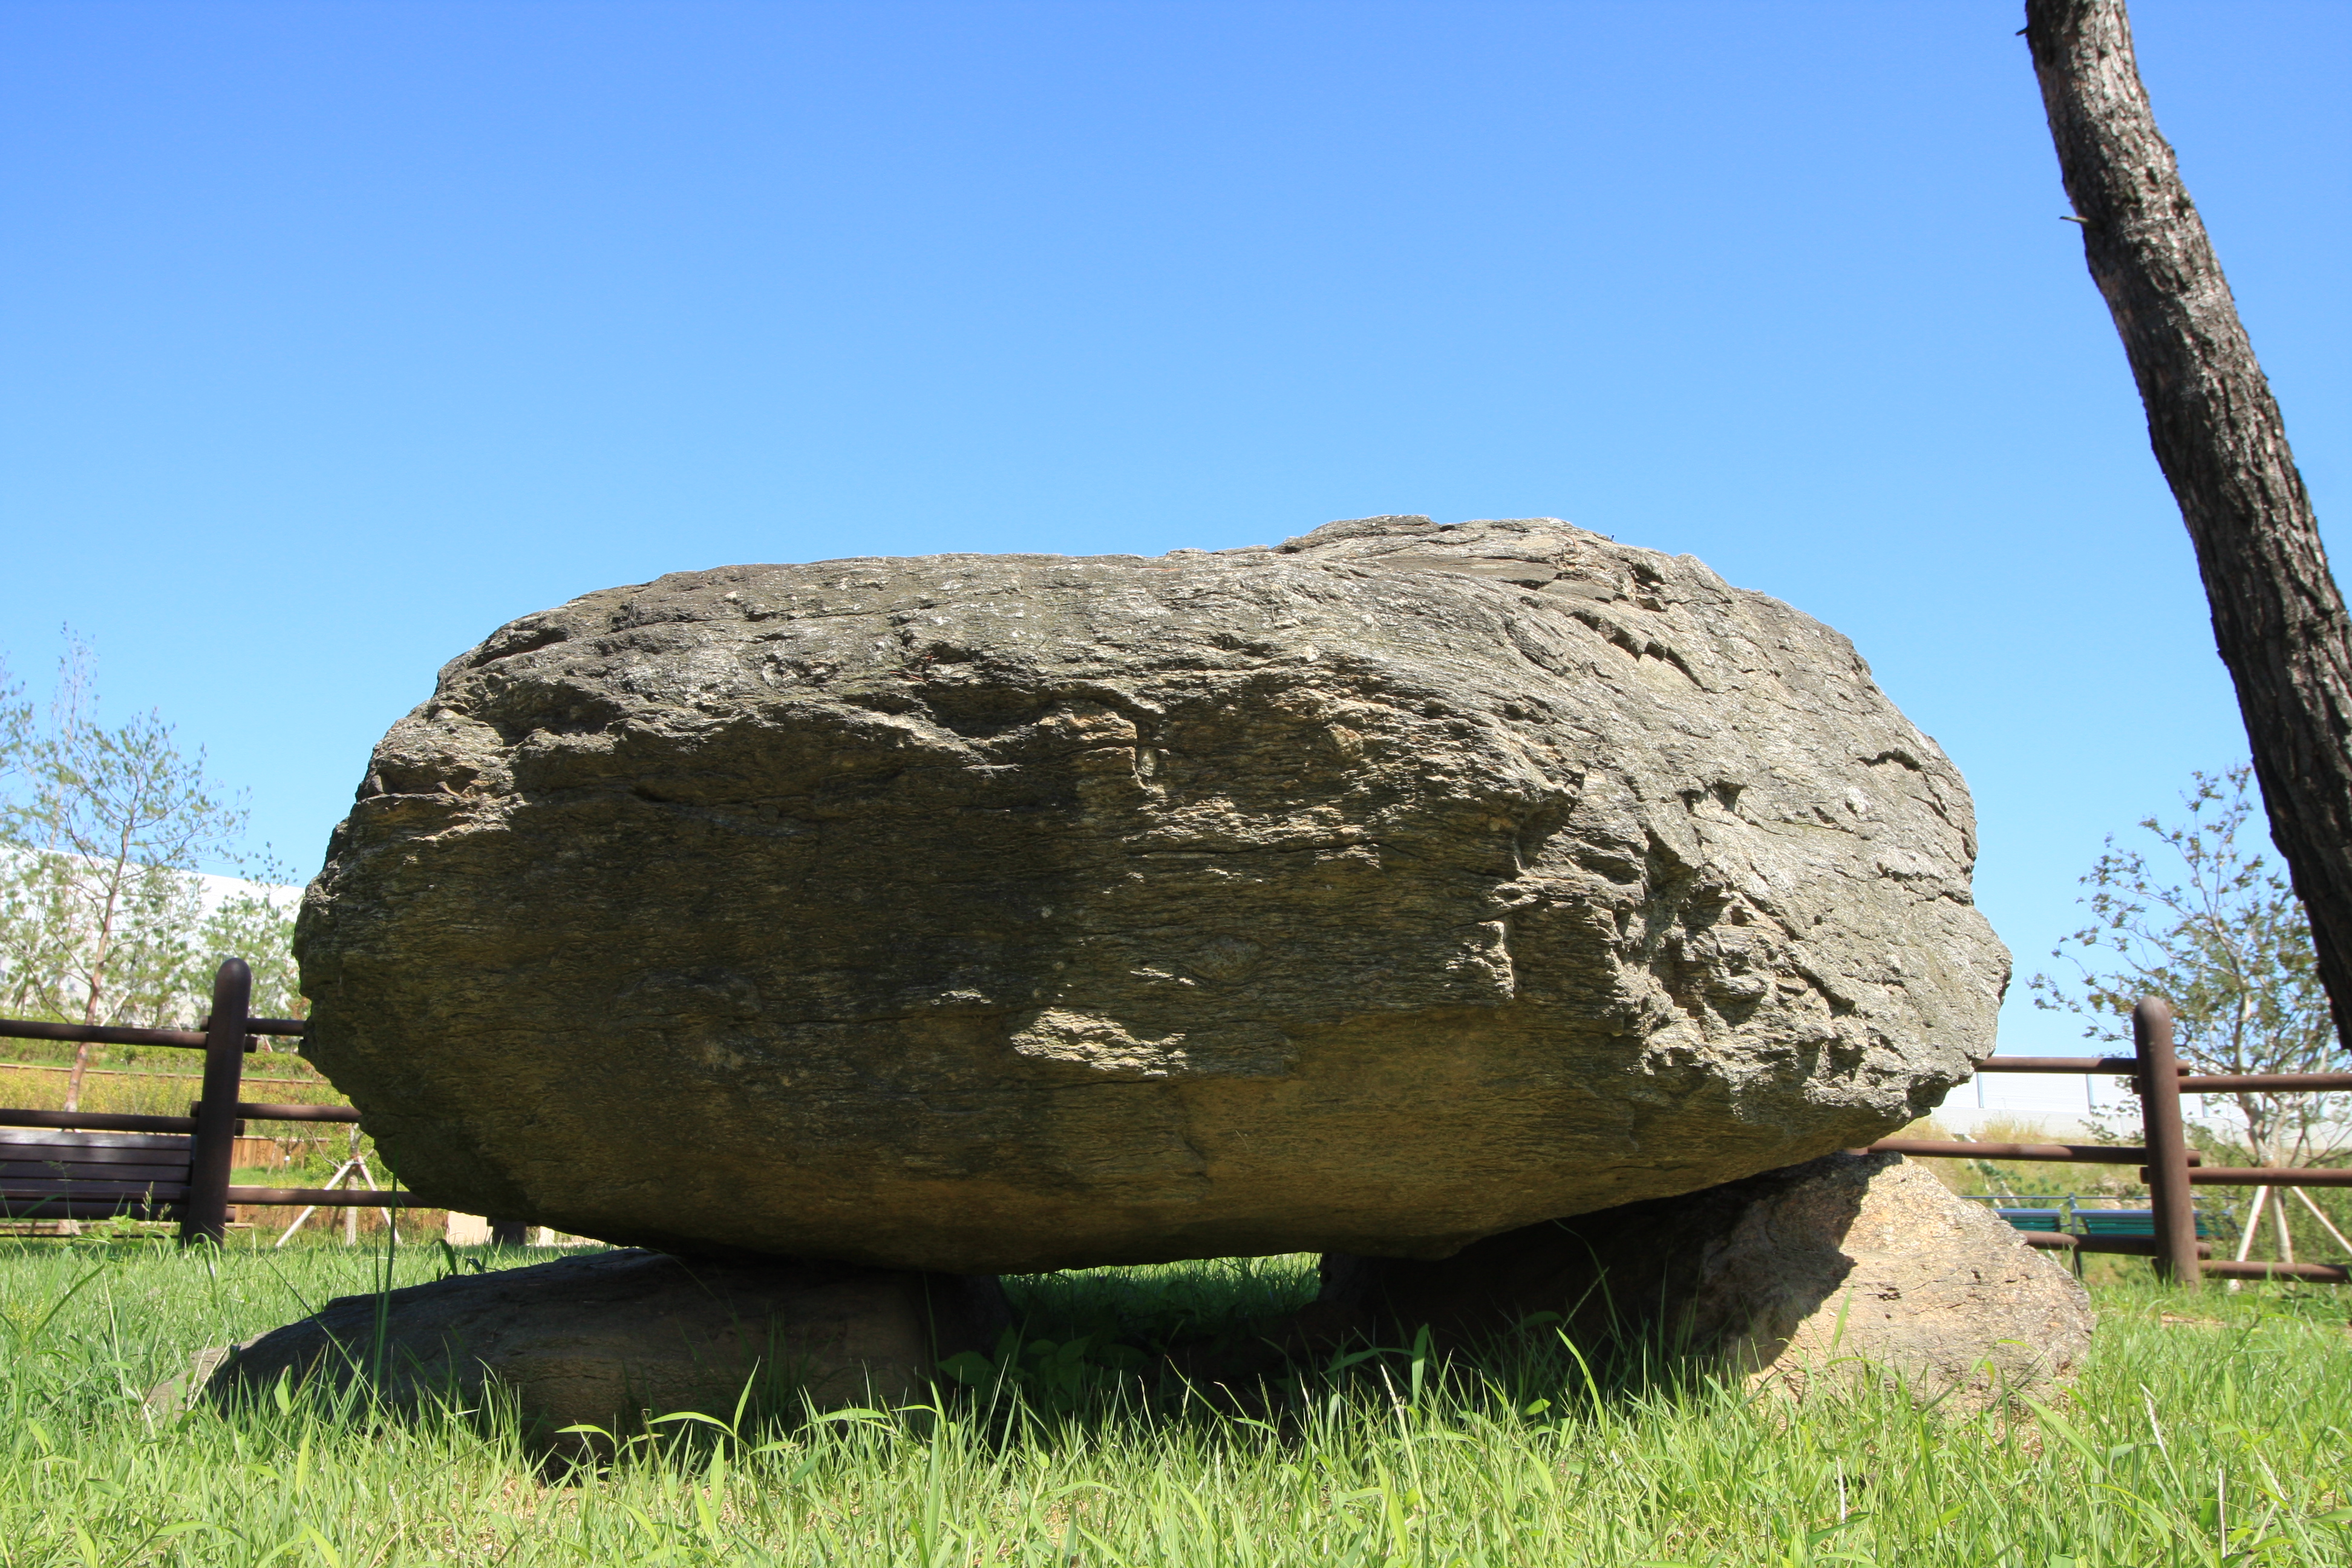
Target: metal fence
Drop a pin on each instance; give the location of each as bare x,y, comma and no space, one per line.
2171,1169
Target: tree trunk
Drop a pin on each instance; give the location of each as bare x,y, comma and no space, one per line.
96,979
2278,617
74,1078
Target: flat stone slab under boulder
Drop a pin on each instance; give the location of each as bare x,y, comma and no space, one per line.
1396,887
1849,1266
607,1338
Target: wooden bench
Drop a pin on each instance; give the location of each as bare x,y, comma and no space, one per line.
71,1165
46,1173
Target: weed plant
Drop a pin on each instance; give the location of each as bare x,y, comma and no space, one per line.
2205,1429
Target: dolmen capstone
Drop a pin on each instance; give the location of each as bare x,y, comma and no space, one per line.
1398,886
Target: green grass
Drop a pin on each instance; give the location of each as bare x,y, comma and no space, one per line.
2220,1439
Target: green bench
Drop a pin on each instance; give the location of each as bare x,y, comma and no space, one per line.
2136,1222
2066,1214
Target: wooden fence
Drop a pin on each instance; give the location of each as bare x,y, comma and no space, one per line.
252,1150
70,1164
81,1165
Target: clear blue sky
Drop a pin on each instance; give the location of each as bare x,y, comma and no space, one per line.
337,334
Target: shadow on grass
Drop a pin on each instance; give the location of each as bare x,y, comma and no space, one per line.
1213,1352
1241,1339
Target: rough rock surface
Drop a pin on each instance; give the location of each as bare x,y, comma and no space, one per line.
606,1339
1851,1264
1400,885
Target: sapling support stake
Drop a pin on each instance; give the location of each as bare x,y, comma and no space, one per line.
2321,1216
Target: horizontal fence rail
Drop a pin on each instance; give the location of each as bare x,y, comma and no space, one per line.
123,1035
109,1122
2275,1082
2120,1066
2190,1083
2267,1177
2236,1268
2076,1153
297,1112
322,1197
152,1076
2223,1268
97,1035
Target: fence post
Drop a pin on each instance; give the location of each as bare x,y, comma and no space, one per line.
2167,1140
205,1217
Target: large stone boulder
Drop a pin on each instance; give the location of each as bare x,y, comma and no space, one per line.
1852,1267
609,1339
1391,888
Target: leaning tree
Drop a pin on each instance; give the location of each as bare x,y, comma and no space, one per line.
2278,617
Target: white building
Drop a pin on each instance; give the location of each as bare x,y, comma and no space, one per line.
2059,1104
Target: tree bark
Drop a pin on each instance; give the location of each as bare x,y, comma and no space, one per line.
96,975
2278,617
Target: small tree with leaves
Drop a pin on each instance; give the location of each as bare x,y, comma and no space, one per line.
2218,933
104,828
257,925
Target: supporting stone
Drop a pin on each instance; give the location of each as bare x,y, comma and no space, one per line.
1849,1266
610,1339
